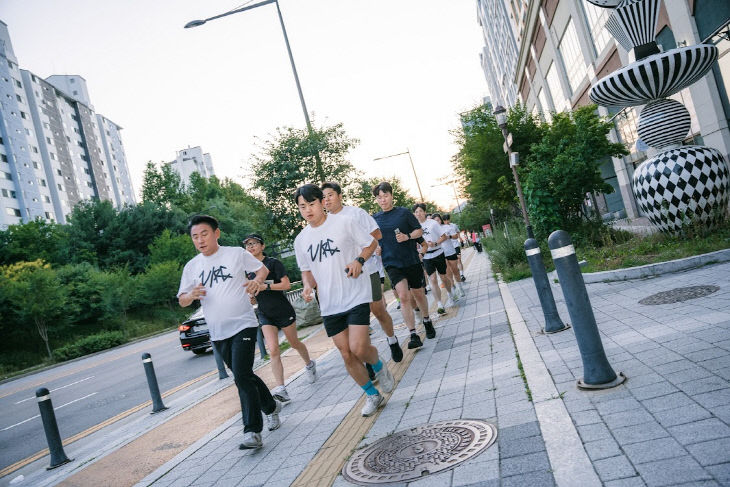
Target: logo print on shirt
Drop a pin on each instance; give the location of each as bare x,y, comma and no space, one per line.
323,249
213,275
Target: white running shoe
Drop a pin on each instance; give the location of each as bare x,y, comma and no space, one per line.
273,419
312,371
385,378
372,403
449,303
281,394
454,296
251,440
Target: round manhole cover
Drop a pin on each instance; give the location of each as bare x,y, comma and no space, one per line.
416,452
679,294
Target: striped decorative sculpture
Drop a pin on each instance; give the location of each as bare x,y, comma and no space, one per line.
682,183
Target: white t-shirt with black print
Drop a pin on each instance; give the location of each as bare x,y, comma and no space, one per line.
325,251
448,244
432,232
368,223
226,305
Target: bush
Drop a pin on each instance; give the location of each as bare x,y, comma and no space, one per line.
507,252
89,344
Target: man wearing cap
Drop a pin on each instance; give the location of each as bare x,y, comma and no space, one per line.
276,313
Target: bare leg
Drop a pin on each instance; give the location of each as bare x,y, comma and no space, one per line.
406,308
353,364
435,288
291,336
420,296
382,315
271,335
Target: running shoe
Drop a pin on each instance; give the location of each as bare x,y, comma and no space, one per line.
415,341
385,377
441,310
312,371
449,303
251,440
396,352
463,278
372,403
398,307
273,419
280,394
430,331
371,373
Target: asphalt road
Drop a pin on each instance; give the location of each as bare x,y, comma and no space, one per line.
91,390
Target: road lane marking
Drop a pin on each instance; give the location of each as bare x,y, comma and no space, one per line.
22,463
55,409
58,388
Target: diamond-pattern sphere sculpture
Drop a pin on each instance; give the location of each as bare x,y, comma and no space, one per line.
682,185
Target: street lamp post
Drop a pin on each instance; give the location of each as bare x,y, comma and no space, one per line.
412,167
500,114
456,196
197,23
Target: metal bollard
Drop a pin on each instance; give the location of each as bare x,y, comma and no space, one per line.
553,323
597,372
222,374
53,437
149,370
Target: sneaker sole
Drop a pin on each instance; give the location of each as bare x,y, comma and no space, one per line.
375,411
246,447
412,346
281,399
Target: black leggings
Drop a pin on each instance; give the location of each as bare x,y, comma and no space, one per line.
237,352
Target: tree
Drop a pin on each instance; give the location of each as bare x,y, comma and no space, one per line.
117,290
362,194
168,247
34,240
287,160
159,284
36,296
564,166
481,163
162,186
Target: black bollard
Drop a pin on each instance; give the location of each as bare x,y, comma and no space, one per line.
597,372
222,374
53,437
149,370
553,323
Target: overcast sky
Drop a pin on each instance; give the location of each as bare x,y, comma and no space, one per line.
396,73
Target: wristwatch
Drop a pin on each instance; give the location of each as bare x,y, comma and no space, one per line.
268,286
360,260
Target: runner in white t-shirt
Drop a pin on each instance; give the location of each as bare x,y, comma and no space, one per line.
217,277
333,203
331,252
434,260
452,269
457,244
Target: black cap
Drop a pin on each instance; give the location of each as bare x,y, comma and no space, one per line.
254,236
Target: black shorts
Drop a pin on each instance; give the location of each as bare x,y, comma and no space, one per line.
337,323
375,287
452,257
412,273
458,249
281,320
434,264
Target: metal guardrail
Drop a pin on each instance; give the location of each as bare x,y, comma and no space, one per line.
293,295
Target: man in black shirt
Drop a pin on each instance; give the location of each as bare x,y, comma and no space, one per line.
276,313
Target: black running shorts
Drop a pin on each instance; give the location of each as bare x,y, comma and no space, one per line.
337,323
412,273
434,264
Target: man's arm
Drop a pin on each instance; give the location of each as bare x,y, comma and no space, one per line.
186,299
309,285
257,283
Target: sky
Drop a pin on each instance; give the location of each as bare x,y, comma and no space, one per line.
396,73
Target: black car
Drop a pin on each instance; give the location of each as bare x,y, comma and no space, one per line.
194,334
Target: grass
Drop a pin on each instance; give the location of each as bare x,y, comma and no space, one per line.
605,248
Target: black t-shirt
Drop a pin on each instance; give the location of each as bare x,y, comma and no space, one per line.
397,254
273,303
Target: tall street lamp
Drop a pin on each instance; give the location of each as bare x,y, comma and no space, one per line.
412,167
197,23
500,113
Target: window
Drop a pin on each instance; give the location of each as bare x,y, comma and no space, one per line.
12,211
569,48
597,17
19,85
544,104
19,98
35,149
1,141
4,157
47,199
60,188
58,171
35,165
48,139
53,156
6,175
72,80
43,183
556,90
48,216
88,183
23,115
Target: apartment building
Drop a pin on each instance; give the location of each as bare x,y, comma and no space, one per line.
55,150
190,160
564,48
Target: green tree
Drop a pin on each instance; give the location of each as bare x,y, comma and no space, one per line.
481,164
36,239
36,297
117,290
168,247
287,160
564,166
162,186
159,284
361,194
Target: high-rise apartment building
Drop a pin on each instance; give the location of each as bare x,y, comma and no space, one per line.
563,49
499,54
190,160
55,150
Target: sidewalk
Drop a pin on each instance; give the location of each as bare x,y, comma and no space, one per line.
667,425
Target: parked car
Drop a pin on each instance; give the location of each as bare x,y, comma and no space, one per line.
194,334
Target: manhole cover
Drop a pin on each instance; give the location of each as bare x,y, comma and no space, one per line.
423,450
679,294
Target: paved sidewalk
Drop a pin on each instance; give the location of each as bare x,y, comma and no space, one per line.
668,424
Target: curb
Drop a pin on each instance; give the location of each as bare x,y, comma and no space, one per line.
657,269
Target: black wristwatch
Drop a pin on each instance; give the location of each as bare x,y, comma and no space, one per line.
268,286
360,260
